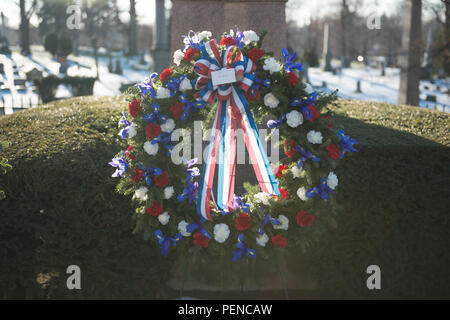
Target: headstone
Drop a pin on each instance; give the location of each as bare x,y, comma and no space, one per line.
221,16
409,62
358,87
160,48
326,53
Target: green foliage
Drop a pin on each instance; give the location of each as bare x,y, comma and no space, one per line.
61,208
61,45
5,167
51,43
46,87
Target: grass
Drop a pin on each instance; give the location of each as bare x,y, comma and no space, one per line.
61,207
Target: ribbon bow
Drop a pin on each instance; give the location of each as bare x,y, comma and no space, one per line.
165,242
232,109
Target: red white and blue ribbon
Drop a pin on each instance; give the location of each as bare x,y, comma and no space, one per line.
232,109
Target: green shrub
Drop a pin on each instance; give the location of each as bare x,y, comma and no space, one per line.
62,208
394,194
51,43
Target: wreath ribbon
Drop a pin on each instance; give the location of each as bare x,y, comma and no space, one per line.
232,109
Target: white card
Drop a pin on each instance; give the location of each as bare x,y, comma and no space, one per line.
223,76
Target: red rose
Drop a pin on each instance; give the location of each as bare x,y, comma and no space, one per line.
152,130
243,222
292,78
289,148
251,98
155,210
284,194
136,175
177,110
333,151
279,171
129,153
279,241
304,219
166,73
201,240
189,55
162,180
315,114
255,54
229,41
134,107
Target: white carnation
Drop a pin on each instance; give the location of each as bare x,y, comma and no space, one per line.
301,193
262,240
271,101
178,57
284,223
151,148
164,218
250,36
262,197
182,228
132,131
168,192
314,137
141,193
221,232
271,65
168,126
204,35
185,85
294,119
297,172
332,180
162,93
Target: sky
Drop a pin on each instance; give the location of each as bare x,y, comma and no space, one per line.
299,10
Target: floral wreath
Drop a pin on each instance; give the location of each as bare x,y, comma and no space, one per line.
293,204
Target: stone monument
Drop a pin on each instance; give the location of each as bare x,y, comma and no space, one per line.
326,54
221,16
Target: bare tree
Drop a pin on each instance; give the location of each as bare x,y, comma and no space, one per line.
25,15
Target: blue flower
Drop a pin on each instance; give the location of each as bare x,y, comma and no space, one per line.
323,190
155,115
121,164
239,204
305,155
146,86
288,61
346,143
165,242
242,249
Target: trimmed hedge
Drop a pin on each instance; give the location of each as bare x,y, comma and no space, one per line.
61,208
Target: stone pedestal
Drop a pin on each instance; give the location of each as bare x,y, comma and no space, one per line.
221,16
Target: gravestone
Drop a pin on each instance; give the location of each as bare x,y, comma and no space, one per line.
221,16
326,53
